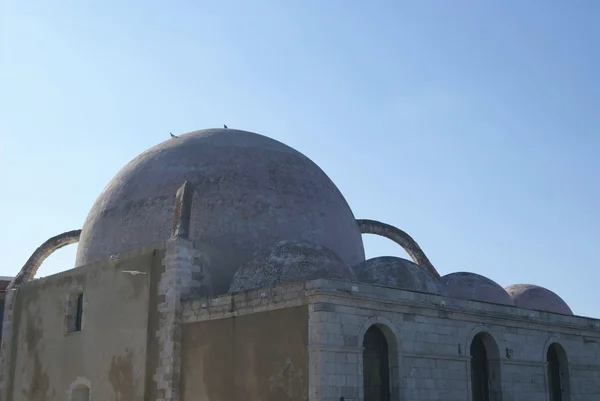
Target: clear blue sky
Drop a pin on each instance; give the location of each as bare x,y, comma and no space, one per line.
474,126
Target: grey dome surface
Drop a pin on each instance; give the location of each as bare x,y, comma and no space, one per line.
290,261
251,191
529,296
396,272
475,287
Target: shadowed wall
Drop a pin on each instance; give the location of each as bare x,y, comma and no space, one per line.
262,356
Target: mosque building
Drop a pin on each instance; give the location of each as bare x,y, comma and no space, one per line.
222,265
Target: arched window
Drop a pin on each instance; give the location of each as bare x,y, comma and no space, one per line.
558,373
80,393
480,373
376,366
485,369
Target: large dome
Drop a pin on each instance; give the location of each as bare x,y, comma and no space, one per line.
251,192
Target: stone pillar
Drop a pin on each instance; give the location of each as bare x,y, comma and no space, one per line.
177,283
334,372
5,350
334,360
173,285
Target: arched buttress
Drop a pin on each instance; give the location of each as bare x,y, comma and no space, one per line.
401,238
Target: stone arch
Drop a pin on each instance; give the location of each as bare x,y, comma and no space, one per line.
550,341
27,273
401,238
393,347
390,329
557,374
36,259
490,339
491,365
80,390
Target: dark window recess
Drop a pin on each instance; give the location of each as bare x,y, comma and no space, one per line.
554,375
480,376
376,367
79,312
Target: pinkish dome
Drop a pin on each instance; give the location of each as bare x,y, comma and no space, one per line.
251,192
474,287
531,296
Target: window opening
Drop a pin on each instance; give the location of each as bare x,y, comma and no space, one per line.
376,367
557,382
80,394
79,312
74,313
480,373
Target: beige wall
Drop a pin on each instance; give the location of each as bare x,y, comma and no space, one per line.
110,351
262,356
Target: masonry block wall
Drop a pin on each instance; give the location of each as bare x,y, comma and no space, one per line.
429,346
176,283
429,341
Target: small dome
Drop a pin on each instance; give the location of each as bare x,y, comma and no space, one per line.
529,296
471,286
396,272
251,191
290,261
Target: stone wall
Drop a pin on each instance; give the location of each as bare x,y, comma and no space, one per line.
176,283
4,282
429,338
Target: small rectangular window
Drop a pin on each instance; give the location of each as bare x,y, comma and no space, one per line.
74,313
79,312
80,394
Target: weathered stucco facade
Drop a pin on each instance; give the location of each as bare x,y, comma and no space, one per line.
161,319
109,351
259,356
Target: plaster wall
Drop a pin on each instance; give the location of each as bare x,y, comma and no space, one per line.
261,356
108,354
